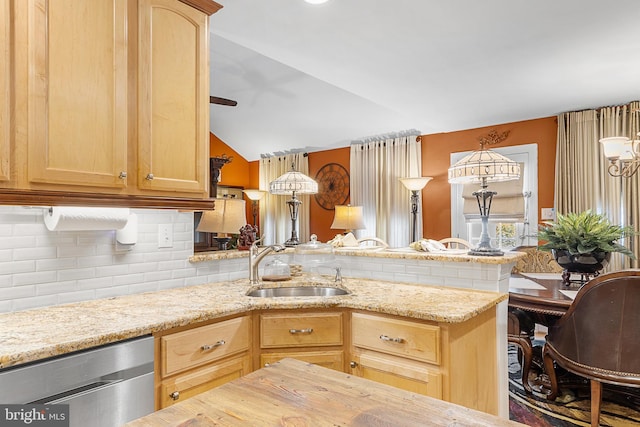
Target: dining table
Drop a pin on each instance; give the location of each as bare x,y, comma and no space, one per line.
542,295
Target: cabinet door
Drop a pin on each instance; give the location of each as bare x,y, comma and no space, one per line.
5,91
181,387
173,98
402,373
77,92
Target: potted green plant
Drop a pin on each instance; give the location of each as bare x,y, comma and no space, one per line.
583,242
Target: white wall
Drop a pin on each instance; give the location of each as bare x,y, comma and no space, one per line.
39,267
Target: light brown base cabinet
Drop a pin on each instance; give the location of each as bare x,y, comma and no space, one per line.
312,336
197,359
455,362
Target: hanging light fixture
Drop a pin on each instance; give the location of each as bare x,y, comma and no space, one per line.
291,184
415,185
623,155
484,166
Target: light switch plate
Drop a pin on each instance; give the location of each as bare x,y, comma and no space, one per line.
165,235
548,214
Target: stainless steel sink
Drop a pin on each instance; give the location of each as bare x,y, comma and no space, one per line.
298,291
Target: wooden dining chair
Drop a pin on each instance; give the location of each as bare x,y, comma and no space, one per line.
599,336
536,261
455,243
519,332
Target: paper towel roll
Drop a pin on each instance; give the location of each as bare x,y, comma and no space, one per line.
71,218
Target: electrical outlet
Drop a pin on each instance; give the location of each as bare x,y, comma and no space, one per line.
548,214
165,235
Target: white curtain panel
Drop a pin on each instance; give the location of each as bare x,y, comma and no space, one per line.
582,181
376,169
275,219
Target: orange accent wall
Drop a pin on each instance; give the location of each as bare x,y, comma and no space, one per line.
234,173
436,150
320,219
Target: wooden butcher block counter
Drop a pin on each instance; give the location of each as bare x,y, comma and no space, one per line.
295,393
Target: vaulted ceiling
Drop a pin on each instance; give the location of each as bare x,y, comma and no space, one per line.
318,77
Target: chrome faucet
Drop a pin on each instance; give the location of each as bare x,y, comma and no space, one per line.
255,256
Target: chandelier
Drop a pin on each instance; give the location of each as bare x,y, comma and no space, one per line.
623,155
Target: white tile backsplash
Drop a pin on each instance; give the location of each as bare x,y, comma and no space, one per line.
40,268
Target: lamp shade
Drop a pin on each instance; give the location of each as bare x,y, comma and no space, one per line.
614,146
293,181
483,165
254,194
228,217
416,184
348,218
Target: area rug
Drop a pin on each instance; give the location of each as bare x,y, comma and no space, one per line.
573,408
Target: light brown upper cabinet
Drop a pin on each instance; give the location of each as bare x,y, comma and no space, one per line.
5,91
77,92
112,97
173,87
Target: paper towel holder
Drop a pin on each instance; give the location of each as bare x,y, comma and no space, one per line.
127,236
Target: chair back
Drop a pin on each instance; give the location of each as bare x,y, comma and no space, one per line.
601,329
536,261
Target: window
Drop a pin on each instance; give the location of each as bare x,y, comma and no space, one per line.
506,233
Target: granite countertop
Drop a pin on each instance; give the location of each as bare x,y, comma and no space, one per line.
36,334
394,253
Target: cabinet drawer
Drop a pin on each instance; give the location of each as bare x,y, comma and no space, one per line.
194,347
300,330
399,337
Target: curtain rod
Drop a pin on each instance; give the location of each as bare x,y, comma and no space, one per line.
390,135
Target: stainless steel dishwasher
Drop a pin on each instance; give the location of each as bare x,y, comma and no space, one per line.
105,386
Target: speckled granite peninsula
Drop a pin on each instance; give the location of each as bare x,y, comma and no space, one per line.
31,335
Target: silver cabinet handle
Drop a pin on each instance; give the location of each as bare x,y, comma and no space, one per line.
389,339
149,177
353,364
301,331
212,346
175,395
122,175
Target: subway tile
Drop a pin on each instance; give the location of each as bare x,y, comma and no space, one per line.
35,302
76,274
15,267
56,264
34,253
34,278
52,288
111,292
128,279
17,292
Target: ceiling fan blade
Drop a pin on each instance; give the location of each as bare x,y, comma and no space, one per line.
222,101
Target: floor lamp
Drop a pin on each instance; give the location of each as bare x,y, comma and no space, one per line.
254,196
291,184
484,166
415,185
